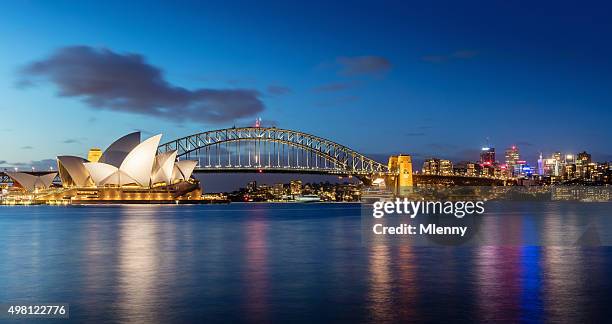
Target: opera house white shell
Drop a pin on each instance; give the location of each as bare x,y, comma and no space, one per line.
31,182
127,161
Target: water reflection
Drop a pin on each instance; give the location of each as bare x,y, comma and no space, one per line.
498,287
563,284
139,265
262,263
256,272
380,302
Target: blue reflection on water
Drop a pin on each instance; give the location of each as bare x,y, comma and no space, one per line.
283,262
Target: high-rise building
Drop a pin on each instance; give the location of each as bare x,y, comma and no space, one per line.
583,158
472,169
512,158
540,165
487,156
437,167
582,165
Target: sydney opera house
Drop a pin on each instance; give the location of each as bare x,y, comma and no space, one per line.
128,171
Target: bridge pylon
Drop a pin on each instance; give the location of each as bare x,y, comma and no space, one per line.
400,181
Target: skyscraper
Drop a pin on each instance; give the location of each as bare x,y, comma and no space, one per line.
512,158
487,156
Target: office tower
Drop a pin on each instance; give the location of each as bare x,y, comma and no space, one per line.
438,167
487,156
512,158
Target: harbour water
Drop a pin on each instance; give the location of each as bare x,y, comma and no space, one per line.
280,263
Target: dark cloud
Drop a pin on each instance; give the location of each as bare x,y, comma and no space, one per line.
71,141
3,162
333,87
457,55
127,83
27,147
363,65
278,90
44,164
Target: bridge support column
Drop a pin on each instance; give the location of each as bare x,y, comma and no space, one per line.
401,183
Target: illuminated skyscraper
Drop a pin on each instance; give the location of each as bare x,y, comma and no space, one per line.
487,156
512,158
582,165
540,165
437,167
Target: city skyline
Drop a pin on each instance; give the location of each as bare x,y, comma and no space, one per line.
430,81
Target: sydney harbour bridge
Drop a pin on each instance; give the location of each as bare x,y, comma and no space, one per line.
275,150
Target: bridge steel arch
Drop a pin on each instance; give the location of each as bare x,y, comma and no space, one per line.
318,154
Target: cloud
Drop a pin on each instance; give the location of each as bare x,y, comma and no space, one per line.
27,147
44,164
278,90
71,141
3,162
107,80
333,87
363,65
457,55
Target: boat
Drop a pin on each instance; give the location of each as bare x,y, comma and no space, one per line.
307,198
372,195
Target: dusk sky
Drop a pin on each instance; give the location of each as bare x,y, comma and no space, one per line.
430,79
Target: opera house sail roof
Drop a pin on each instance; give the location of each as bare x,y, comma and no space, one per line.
127,161
31,182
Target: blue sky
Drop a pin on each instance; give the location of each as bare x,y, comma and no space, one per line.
429,79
